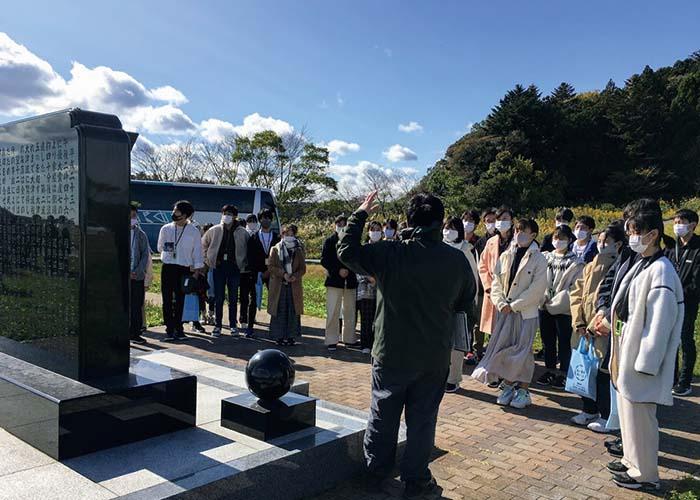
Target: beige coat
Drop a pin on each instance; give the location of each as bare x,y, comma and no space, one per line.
277,279
583,297
529,284
211,242
487,263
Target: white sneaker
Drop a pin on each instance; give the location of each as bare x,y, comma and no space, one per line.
521,399
216,332
584,418
506,395
599,425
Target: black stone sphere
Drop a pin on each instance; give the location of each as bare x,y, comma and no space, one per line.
269,374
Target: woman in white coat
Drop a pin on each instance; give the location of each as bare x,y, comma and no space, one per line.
647,319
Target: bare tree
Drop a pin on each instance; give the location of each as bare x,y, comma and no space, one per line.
169,162
217,161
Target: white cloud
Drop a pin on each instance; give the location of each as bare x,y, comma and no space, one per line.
337,147
169,94
410,127
354,179
252,124
397,153
214,130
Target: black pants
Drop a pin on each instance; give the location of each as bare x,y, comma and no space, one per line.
367,309
171,277
684,372
602,401
249,299
556,329
420,393
138,297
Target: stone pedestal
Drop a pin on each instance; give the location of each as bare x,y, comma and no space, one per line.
266,420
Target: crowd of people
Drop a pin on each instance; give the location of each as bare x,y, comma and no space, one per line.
630,291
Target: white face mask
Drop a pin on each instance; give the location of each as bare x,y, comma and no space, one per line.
581,234
636,244
606,249
503,225
469,227
681,230
290,241
226,219
560,244
252,226
490,226
134,222
449,235
375,235
389,233
523,240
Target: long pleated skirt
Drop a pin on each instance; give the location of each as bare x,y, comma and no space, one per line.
286,323
509,353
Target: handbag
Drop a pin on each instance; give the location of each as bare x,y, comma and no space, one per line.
583,370
191,310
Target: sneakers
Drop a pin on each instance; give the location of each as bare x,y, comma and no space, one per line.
682,390
416,489
198,328
139,340
616,450
625,481
559,382
521,399
506,395
333,347
249,333
366,350
450,388
494,384
470,359
599,425
584,418
617,467
611,442
234,331
180,335
216,332
545,380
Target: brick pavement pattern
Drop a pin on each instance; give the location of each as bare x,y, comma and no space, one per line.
482,450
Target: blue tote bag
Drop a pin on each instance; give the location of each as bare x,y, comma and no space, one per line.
583,370
191,310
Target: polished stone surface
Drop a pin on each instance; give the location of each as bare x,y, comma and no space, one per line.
65,418
266,420
64,192
269,374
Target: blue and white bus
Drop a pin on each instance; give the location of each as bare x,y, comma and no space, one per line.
157,200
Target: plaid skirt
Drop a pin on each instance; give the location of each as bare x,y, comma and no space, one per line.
286,323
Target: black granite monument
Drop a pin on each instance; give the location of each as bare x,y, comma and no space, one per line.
67,383
269,376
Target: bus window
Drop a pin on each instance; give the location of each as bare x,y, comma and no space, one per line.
153,196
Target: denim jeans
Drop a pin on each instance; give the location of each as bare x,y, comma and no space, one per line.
420,393
226,276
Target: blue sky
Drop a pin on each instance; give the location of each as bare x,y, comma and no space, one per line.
350,71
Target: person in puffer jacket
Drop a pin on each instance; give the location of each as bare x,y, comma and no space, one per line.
563,269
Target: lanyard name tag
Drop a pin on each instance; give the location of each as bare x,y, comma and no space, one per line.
267,261
618,328
225,257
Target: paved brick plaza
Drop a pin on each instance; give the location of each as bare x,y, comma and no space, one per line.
483,450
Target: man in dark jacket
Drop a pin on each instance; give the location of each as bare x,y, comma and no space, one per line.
421,284
564,217
685,255
341,290
139,252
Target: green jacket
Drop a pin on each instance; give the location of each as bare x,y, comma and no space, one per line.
421,283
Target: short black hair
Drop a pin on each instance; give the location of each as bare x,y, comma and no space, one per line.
251,218
687,214
646,221
564,215
530,224
341,218
563,232
587,220
292,227
266,213
425,209
456,224
472,214
374,223
616,231
230,209
184,207
505,210
488,211
641,205
392,224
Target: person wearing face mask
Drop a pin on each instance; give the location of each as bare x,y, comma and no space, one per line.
341,291
477,350
367,295
563,269
585,246
584,295
287,266
488,216
519,282
564,217
249,277
268,238
685,256
391,230
139,256
179,244
225,247
647,318
470,220
488,259
453,235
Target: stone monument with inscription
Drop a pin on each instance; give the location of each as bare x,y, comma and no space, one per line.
67,383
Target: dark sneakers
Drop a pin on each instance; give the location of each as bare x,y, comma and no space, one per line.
138,340
625,481
616,450
559,382
546,379
451,388
417,489
682,390
617,441
617,467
